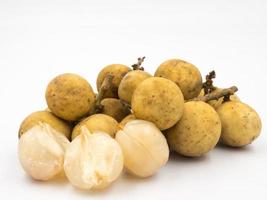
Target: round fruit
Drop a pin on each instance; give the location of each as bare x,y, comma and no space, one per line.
97,122
93,161
216,103
144,147
197,132
129,83
241,124
158,100
118,71
41,151
114,108
184,74
45,117
70,96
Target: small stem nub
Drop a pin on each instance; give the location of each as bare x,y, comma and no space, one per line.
208,84
137,66
226,93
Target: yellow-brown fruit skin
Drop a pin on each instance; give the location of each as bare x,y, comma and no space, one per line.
241,124
48,118
114,108
197,132
158,100
118,71
70,97
130,82
126,120
184,74
97,122
216,103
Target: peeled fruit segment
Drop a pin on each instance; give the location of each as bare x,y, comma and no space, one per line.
93,161
144,147
241,124
158,100
197,132
41,151
184,74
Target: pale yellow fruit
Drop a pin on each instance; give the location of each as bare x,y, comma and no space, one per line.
126,120
70,97
197,132
158,100
93,161
118,71
114,108
241,124
41,151
144,147
184,74
129,83
216,103
45,117
97,122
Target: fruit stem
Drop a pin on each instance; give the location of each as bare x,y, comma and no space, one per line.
208,84
106,85
137,66
216,95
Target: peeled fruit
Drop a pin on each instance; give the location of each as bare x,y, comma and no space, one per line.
216,103
129,83
144,147
126,120
45,117
184,74
158,100
41,151
70,97
241,124
114,108
93,161
118,71
197,132
97,122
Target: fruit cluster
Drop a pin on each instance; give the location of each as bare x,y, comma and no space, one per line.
132,122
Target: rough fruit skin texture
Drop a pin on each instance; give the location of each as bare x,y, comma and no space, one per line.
197,132
97,122
93,161
158,100
41,152
144,147
118,71
114,108
216,103
45,117
184,74
70,97
126,120
129,83
241,124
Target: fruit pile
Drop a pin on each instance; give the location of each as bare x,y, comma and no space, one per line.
133,122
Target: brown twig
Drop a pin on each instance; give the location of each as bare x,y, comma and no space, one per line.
216,95
137,66
106,85
208,84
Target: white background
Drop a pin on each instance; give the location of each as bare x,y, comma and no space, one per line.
39,40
